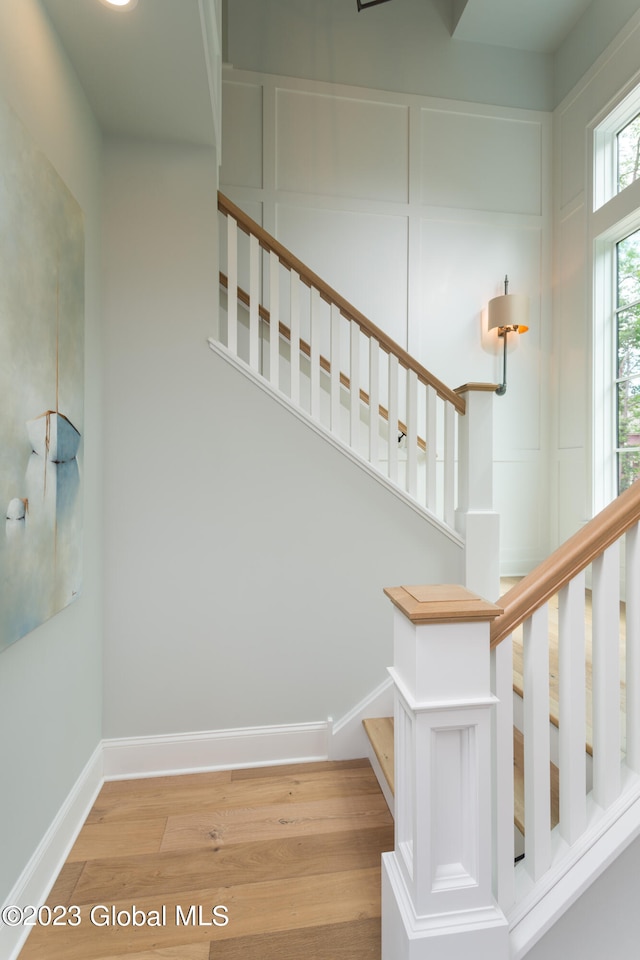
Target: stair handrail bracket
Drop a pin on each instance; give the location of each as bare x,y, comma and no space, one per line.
309,344
437,896
595,743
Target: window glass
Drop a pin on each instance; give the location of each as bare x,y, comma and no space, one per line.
628,360
628,151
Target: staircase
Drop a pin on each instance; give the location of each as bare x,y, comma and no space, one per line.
326,357
316,353
565,665
380,733
572,786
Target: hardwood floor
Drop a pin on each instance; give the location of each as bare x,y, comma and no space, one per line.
292,853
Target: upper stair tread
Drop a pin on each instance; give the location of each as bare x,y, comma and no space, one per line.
554,709
380,733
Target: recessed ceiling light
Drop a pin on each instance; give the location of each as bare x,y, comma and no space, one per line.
122,4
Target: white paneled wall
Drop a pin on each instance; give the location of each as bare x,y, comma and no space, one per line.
578,410
475,161
371,162
414,209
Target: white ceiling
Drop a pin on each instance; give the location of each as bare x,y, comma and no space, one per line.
145,70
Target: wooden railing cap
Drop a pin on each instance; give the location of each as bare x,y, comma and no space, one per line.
476,388
291,262
550,576
442,603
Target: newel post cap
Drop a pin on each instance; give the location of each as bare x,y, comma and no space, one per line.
442,603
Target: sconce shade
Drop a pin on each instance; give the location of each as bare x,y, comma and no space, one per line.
510,311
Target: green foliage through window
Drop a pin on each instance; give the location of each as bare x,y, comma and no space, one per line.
628,141
628,360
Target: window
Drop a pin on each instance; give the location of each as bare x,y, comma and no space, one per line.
627,385
616,145
615,234
628,154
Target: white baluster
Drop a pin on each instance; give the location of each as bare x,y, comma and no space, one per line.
335,370
502,686
432,451
537,775
606,676
232,285
412,433
354,376
632,596
374,400
393,418
274,310
294,326
449,463
572,733
314,360
254,303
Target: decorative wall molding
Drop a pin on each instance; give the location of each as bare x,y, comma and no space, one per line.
388,229
211,22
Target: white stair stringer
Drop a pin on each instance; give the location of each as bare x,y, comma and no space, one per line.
334,440
574,870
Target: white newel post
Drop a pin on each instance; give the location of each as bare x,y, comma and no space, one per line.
476,520
437,899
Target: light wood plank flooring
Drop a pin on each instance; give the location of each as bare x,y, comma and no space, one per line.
292,852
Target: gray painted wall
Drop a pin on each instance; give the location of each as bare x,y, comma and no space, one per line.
404,46
604,922
184,585
600,24
245,556
50,681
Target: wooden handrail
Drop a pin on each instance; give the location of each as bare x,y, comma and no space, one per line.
311,279
523,599
325,364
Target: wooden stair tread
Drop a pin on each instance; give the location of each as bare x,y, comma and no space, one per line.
380,733
518,683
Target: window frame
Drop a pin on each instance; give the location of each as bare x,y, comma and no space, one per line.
613,216
605,147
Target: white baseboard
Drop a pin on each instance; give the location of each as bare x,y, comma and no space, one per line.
37,878
157,756
347,738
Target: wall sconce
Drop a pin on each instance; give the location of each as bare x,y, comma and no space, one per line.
363,4
508,314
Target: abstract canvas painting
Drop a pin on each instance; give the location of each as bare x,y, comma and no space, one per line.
42,377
